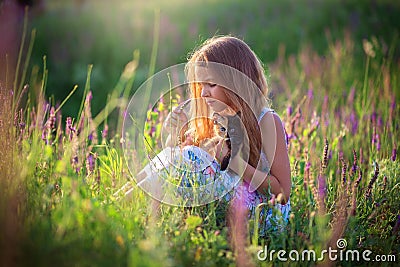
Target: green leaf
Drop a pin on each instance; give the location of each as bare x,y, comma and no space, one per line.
193,221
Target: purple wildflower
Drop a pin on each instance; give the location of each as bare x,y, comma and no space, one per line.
89,97
394,154
353,122
52,118
325,104
373,117
98,178
75,160
308,166
393,104
322,187
359,178
355,159
49,126
371,183
44,136
105,131
378,142
69,129
361,156
325,156
75,164
310,94
373,140
90,137
289,110
380,122
306,174
90,163
350,100
344,170
68,125
291,136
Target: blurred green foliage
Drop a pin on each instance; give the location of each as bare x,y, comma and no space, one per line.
74,34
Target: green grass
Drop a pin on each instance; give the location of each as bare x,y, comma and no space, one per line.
58,179
58,207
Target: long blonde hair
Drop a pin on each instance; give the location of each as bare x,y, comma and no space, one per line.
237,55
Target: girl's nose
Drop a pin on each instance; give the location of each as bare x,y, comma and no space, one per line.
204,91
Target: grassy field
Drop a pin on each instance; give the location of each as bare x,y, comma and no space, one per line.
59,173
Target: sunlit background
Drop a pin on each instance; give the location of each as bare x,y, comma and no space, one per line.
74,34
334,77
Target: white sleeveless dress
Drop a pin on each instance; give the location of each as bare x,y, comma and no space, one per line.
226,186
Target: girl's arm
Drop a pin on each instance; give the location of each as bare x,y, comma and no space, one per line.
274,146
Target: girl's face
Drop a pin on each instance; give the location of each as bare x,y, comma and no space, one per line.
214,93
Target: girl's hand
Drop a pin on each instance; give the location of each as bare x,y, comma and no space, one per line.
176,126
222,150
175,120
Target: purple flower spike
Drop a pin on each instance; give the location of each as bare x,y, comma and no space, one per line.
371,183
105,131
289,110
354,122
44,136
373,117
393,104
322,187
310,94
90,164
350,100
325,100
374,135
380,122
89,96
308,165
359,178
394,154
52,118
378,143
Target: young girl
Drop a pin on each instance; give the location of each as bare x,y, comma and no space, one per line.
225,74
